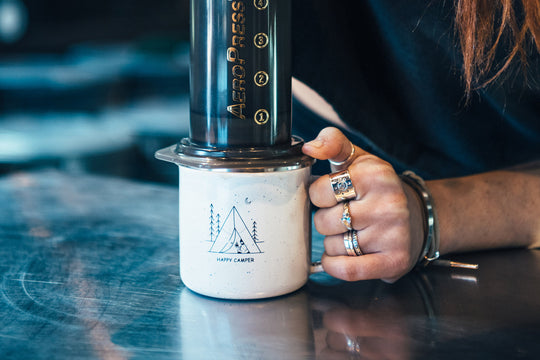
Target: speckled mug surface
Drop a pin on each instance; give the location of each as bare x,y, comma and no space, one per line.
244,235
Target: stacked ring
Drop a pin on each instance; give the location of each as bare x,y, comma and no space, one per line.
350,239
342,186
357,250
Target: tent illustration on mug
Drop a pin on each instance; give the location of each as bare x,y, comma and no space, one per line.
233,236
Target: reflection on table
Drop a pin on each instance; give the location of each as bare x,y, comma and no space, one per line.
90,271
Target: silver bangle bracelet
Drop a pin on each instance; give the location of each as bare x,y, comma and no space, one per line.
430,250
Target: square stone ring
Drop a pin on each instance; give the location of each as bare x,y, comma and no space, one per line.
342,186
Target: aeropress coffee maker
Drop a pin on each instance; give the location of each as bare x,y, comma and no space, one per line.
244,217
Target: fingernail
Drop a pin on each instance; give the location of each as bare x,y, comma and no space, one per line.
315,143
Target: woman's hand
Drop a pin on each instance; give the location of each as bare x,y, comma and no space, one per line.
386,214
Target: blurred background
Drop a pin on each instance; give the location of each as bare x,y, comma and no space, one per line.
93,86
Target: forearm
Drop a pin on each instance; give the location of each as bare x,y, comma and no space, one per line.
490,210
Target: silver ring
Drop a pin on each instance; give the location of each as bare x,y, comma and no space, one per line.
347,240
356,247
350,240
339,163
342,186
346,218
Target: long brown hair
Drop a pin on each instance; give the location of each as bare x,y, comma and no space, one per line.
483,25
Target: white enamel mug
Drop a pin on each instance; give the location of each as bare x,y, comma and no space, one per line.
245,226
244,235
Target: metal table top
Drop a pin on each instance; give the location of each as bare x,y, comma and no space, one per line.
89,270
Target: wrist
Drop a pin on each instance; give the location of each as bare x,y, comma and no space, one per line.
430,249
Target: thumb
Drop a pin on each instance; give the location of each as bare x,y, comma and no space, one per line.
330,144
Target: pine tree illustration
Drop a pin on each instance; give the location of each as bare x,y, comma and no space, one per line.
255,232
211,222
217,224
